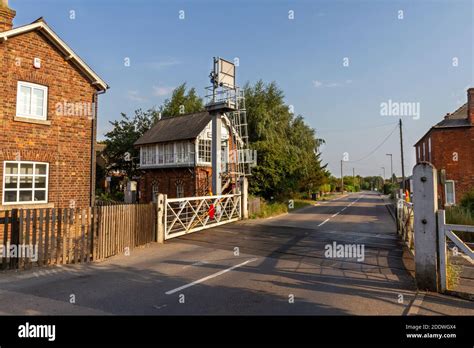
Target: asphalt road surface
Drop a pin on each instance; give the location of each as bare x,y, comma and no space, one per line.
276,266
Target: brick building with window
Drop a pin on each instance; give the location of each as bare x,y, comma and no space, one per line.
449,146
175,156
48,104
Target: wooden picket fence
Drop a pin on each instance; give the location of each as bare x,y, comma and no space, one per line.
123,227
66,235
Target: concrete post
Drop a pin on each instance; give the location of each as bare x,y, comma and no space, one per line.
160,225
442,246
245,197
425,193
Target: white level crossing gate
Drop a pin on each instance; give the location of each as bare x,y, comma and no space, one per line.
191,214
446,231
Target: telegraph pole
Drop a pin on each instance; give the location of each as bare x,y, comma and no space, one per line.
342,180
401,151
391,166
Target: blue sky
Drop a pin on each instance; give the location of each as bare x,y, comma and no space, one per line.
403,60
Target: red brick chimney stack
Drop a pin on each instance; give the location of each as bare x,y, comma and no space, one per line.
6,16
470,105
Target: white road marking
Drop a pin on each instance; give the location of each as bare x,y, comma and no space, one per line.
209,277
159,307
322,223
336,214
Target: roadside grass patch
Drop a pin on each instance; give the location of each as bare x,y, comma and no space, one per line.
329,197
453,273
269,209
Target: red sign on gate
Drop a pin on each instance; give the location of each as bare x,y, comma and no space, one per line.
211,211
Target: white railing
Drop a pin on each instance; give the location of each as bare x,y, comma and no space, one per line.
446,230
405,219
162,160
191,214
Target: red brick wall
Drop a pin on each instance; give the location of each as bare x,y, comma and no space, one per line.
167,179
66,143
203,181
445,145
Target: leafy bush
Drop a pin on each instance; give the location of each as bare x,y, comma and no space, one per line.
325,188
467,201
388,188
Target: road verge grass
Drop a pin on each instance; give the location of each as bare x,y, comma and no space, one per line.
270,209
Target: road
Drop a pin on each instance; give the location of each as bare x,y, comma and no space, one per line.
273,266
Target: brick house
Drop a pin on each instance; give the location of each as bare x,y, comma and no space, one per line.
449,146
48,103
175,157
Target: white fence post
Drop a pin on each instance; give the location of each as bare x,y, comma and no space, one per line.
400,208
160,226
442,249
245,199
425,199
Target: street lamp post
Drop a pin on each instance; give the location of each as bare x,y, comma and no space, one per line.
391,165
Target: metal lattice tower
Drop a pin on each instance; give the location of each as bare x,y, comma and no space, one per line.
244,159
226,99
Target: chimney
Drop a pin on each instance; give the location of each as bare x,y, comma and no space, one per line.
470,105
6,16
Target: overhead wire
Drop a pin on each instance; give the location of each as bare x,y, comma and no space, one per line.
377,147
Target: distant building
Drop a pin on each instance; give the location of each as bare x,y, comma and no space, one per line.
449,146
175,157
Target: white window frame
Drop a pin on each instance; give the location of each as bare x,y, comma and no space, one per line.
206,146
18,189
446,193
424,151
429,149
45,100
155,189
179,190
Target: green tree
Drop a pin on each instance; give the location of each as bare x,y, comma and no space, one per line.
372,182
182,102
287,148
119,141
